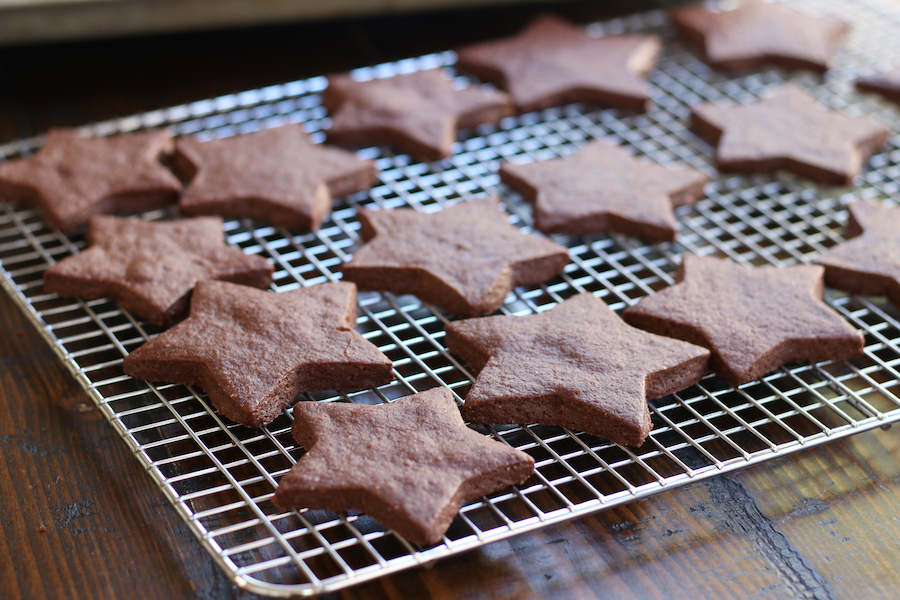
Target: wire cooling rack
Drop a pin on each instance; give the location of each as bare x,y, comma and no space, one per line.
220,477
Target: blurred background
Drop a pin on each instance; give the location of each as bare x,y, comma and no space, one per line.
71,62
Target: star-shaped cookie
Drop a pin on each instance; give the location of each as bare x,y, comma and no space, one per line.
886,84
753,320
604,188
760,32
578,365
868,264
552,62
789,130
275,175
253,352
463,259
418,112
410,464
151,268
73,177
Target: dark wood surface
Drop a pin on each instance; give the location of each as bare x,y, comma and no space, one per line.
80,519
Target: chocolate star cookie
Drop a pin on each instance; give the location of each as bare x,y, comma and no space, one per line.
463,259
275,175
886,84
753,320
760,32
789,130
410,464
869,264
418,113
253,352
73,177
151,268
578,365
552,62
604,188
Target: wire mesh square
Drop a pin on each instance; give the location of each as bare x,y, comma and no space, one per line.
220,476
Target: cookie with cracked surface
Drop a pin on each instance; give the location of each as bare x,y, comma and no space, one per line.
463,259
753,320
275,175
553,62
578,365
603,188
418,113
410,464
73,177
756,33
789,130
253,352
869,263
151,267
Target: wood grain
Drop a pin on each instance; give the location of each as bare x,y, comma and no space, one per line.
841,503
64,469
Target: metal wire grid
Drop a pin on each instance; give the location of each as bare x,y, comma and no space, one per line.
220,477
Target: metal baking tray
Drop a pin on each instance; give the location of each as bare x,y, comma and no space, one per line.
220,477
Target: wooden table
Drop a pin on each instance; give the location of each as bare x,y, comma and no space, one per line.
79,518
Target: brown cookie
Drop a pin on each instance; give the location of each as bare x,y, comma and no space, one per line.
553,62
753,320
410,464
757,32
578,365
886,84
151,268
789,130
604,188
869,264
253,352
463,259
73,177
418,113
275,175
